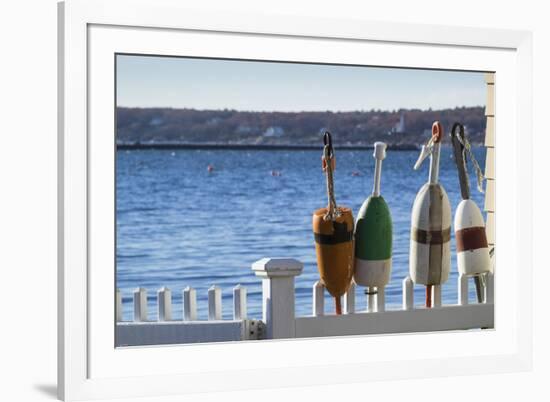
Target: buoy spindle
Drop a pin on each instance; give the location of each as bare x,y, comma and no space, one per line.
379,156
372,305
338,305
433,177
429,302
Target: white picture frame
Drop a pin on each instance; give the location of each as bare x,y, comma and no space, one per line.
90,32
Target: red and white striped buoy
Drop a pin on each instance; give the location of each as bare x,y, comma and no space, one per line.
430,250
471,239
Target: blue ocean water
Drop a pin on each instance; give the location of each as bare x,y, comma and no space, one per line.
179,225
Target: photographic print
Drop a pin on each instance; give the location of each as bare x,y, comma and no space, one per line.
262,200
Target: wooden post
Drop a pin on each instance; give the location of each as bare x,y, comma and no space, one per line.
489,287
408,293
349,300
462,290
214,303
164,304
239,302
381,299
189,304
278,295
436,296
118,306
140,304
318,299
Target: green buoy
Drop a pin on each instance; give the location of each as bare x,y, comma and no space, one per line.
373,235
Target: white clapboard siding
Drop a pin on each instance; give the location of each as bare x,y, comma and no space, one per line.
443,318
490,228
490,141
490,164
490,105
490,196
490,132
489,78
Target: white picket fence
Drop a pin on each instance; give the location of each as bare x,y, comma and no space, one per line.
141,331
278,312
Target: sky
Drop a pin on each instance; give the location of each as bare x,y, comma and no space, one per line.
177,82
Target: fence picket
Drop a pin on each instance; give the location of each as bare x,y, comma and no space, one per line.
318,299
408,294
214,303
189,304
462,290
349,300
118,306
489,287
164,304
140,304
436,295
239,303
381,299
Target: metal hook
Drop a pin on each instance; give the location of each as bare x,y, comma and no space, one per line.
327,140
428,149
459,149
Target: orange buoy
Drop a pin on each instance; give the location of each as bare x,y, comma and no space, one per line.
333,232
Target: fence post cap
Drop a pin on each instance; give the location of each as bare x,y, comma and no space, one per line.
277,267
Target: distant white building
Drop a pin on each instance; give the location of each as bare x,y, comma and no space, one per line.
214,121
274,131
156,121
244,129
399,127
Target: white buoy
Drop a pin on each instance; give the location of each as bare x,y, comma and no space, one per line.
471,239
430,249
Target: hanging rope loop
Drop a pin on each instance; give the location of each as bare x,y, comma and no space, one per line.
468,153
333,211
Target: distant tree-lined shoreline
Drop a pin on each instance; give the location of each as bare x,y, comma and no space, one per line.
404,127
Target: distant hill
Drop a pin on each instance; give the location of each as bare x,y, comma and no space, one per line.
190,126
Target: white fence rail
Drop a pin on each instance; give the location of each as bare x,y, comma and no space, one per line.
278,312
165,330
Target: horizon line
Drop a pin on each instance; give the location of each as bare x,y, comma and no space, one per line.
301,111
